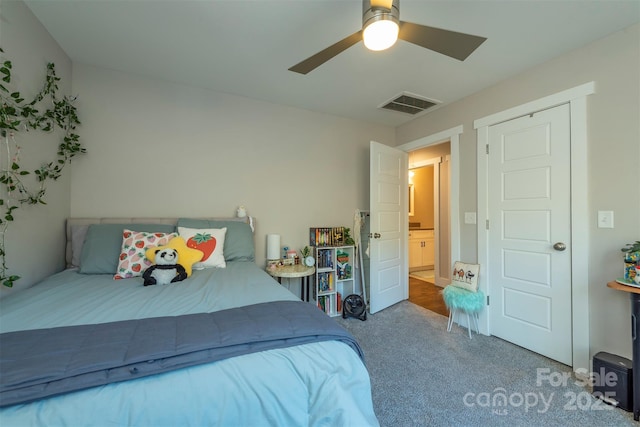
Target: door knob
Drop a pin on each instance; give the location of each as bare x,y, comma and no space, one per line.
374,235
559,246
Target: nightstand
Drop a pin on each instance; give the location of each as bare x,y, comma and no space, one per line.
293,272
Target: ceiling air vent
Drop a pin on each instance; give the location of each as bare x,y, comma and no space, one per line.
409,103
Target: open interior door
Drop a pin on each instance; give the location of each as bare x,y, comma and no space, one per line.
389,232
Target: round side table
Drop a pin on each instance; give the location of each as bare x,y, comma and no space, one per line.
293,272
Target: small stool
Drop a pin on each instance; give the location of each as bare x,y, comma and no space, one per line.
458,299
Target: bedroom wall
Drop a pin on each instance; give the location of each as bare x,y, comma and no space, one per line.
34,241
614,155
161,149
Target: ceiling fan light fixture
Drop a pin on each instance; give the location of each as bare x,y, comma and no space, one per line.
384,16
380,34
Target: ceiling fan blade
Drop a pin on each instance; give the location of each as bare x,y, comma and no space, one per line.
323,56
450,43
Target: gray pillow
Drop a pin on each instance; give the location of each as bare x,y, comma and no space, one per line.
78,233
238,241
102,244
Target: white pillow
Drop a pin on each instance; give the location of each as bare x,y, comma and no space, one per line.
208,240
465,276
132,261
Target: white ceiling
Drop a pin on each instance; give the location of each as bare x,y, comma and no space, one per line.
245,47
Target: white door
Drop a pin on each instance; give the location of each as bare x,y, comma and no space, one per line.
529,232
389,229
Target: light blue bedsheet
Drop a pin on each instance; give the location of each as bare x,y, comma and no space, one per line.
314,384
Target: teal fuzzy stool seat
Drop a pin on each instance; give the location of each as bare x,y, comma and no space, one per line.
463,295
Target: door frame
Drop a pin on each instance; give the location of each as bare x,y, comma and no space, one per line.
577,99
453,136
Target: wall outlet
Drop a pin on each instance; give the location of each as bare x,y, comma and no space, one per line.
469,217
605,219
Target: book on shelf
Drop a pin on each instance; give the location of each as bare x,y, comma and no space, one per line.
325,281
326,236
325,258
324,304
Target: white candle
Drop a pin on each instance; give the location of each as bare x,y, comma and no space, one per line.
273,246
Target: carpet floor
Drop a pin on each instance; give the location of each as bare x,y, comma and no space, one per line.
422,375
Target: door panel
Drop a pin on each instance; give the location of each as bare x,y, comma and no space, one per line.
388,193
389,222
527,308
528,143
527,267
537,229
526,184
529,210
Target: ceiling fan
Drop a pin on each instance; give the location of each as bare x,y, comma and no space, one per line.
381,14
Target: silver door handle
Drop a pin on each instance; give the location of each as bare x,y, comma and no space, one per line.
559,246
374,235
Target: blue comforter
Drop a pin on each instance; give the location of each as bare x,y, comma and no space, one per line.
73,358
321,383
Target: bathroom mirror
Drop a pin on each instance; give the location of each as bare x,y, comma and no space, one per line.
411,210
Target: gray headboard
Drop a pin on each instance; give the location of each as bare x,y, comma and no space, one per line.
77,229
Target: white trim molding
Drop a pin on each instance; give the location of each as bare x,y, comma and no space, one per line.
547,102
577,99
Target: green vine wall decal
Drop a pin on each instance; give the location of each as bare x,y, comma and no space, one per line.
17,115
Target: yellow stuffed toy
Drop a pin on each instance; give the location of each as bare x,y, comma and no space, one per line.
186,257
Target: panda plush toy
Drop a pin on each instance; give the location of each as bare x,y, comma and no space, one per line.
165,270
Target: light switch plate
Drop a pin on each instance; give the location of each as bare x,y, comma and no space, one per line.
469,217
605,219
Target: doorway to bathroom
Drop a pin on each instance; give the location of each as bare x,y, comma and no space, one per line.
429,225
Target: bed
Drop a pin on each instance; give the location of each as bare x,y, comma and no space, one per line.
318,380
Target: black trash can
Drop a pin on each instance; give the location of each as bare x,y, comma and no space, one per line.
613,380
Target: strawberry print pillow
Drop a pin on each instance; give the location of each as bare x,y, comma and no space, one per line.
208,240
132,261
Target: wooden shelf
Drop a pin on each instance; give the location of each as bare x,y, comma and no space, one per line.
625,288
